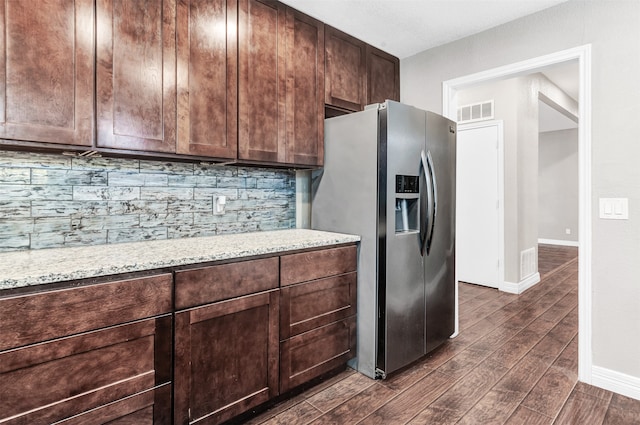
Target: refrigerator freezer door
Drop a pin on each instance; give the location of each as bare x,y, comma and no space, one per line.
401,330
439,265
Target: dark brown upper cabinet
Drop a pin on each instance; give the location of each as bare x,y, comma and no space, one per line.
207,74
383,76
46,70
261,94
281,84
136,75
305,90
346,70
357,74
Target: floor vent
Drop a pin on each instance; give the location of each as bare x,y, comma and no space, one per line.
475,112
528,263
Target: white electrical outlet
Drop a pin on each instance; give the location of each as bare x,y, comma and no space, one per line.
218,207
567,231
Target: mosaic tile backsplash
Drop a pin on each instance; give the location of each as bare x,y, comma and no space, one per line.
49,200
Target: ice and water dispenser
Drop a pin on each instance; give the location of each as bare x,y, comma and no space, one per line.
407,201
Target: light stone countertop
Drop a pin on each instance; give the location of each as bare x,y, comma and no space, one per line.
35,267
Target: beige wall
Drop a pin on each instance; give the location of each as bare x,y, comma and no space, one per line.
558,185
613,30
516,103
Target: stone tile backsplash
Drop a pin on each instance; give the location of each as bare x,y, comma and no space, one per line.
49,200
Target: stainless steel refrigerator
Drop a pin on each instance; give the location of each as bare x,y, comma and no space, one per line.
389,176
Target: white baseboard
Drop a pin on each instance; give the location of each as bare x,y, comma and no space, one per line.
519,288
558,242
617,382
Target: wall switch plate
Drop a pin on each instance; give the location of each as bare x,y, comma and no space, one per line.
614,208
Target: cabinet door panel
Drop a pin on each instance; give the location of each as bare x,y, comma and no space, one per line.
383,76
308,355
261,44
136,75
207,78
79,373
346,70
58,313
305,90
226,358
46,70
306,306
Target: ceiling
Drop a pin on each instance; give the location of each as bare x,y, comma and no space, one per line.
406,27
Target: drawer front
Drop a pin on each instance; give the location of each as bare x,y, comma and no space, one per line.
42,316
306,306
68,376
296,268
309,355
151,407
215,283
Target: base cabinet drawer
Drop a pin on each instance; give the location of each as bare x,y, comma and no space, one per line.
306,266
151,407
58,379
310,354
309,305
37,317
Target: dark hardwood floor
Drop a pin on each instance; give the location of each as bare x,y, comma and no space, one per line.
514,362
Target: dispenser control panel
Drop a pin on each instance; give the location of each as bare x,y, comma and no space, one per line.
407,184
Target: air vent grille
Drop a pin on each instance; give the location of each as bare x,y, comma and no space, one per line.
528,263
476,112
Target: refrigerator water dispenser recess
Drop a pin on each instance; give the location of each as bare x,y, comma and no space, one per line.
407,191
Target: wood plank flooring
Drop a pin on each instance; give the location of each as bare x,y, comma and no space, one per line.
514,362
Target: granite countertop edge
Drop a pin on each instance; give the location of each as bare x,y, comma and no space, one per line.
39,267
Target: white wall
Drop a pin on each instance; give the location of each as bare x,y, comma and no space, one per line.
613,29
558,185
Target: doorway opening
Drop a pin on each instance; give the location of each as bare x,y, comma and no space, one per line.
582,55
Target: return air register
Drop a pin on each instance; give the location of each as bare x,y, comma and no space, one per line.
475,112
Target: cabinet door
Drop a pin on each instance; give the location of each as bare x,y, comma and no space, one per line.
383,76
207,78
226,358
50,381
261,115
346,70
305,90
46,71
136,74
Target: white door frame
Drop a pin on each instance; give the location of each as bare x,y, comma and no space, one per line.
500,153
583,55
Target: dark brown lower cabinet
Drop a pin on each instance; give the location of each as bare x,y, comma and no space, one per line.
244,332
226,358
318,304
110,374
146,408
310,354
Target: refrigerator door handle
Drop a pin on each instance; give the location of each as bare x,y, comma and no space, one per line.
425,203
434,202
